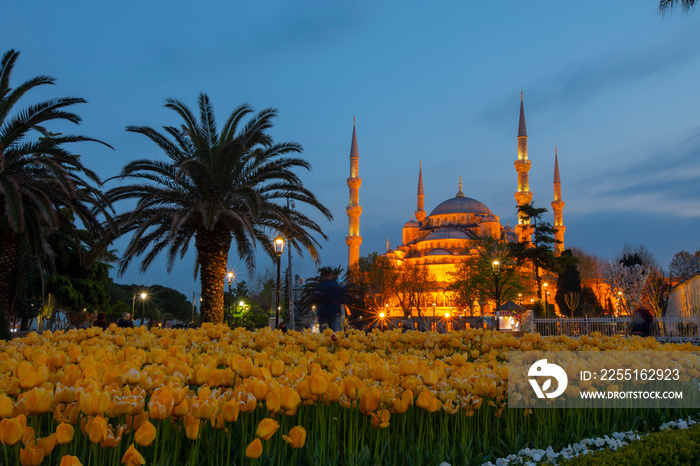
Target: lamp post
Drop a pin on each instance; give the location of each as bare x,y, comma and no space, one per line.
619,303
227,315
278,244
546,301
496,266
143,295
194,294
433,309
520,297
381,321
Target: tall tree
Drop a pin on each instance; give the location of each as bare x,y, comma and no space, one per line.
410,283
216,187
494,274
683,264
541,252
568,294
371,283
38,178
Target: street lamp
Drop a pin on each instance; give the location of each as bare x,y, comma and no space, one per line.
433,309
496,269
133,305
227,315
546,301
278,244
520,297
194,295
619,302
381,321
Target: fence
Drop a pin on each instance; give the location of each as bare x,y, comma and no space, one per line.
667,329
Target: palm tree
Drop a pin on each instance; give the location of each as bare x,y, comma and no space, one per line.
667,5
38,178
215,187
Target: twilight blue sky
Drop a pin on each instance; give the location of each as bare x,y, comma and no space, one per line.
612,84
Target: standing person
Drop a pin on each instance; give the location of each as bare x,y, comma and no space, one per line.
125,321
329,297
101,321
642,320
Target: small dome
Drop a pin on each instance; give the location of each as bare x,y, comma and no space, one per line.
489,218
411,224
510,229
460,205
439,252
447,233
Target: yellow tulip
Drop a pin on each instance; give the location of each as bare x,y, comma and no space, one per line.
68,460
97,429
254,449
145,435
94,402
64,433
289,398
191,426
6,406
381,419
28,435
353,386
369,400
181,409
318,384
260,389
134,422
230,411
430,377
380,371
205,409
31,456
39,400
266,428
277,368
47,444
296,438
10,431
133,457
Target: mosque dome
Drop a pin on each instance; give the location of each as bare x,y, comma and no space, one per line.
460,205
447,233
411,224
439,252
489,218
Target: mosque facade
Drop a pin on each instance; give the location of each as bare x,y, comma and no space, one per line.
443,239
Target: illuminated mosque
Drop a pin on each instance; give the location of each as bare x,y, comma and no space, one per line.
443,239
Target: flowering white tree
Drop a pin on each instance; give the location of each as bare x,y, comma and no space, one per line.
629,280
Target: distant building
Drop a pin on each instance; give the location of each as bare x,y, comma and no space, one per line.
443,239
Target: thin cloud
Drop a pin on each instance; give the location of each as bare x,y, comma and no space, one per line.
616,70
665,182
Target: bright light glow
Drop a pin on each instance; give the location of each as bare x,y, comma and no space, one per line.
447,316
230,275
545,284
144,295
381,315
241,303
278,243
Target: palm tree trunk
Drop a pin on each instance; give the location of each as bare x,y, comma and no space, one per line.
212,252
9,270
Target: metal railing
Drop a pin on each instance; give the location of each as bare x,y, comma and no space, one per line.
668,329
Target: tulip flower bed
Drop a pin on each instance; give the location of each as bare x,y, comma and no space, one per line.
216,396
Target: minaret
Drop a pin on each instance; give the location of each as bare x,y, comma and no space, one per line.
420,213
558,207
523,195
353,240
